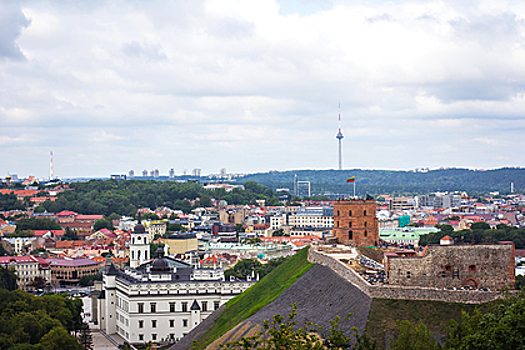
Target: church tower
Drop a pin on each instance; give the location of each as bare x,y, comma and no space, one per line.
139,247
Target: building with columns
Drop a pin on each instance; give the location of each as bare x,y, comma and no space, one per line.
162,300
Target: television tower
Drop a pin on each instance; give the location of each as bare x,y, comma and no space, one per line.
340,137
51,165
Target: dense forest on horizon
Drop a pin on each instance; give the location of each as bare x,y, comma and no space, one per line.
399,182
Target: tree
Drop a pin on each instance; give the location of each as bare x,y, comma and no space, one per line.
87,280
502,327
239,228
85,338
8,278
70,235
59,338
480,225
103,223
38,282
414,338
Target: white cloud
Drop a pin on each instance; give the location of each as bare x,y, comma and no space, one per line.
255,85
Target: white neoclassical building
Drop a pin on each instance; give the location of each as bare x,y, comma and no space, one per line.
162,300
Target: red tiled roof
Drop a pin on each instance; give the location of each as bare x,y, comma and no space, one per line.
89,217
67,213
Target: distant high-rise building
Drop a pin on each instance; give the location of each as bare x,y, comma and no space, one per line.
223,172
196,172
156,173
144,173
152,173
172,173
131,174
185,172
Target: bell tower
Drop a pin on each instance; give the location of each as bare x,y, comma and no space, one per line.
139,247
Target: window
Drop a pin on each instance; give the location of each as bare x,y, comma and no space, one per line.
172,323
364,212
172,307
141,308
350,235
349,213
184,323
447,268
204,306
141,323
153,323
153,307
184,306
141,336
408,274
153,336
365,223
472,268
216,305
366,233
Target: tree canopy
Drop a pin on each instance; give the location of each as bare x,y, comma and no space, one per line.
125,197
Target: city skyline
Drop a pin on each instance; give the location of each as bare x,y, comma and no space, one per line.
112,86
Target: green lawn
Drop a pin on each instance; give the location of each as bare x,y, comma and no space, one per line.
258,296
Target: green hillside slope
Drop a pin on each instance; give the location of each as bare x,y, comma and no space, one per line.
259,295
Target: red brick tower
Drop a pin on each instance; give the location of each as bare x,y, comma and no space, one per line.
355,222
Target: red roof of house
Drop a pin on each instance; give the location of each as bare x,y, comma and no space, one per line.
40,233
447,238
67,213
89,217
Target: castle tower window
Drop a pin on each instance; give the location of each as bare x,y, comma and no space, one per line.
447,268
408,274
365,223
350,235
366,233
338,214
349,213
350,224
472,268
364,212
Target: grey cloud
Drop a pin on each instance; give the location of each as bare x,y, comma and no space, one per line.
385,17
489,30
12,20
231,28
150,52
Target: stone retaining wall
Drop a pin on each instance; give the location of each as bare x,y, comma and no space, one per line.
400,292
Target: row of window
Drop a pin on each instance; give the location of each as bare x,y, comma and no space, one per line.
350,213
184,306
350,224
154,323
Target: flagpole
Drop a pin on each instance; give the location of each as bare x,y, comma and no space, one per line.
354,189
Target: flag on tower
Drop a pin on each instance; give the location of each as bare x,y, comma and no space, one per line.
350,179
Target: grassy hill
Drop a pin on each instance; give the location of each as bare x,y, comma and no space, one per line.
385,315
259,295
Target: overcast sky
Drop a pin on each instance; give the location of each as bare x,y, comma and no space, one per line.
253,86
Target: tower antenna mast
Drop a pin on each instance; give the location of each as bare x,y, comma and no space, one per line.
51,165
340,138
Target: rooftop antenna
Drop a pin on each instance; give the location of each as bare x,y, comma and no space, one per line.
51,165
340,138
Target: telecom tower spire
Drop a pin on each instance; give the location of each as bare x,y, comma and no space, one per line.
51,165
340,137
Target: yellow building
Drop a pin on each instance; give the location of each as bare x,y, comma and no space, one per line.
181,243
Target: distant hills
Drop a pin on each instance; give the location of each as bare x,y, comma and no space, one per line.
376,182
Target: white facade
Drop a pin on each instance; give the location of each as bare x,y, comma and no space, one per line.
144,305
